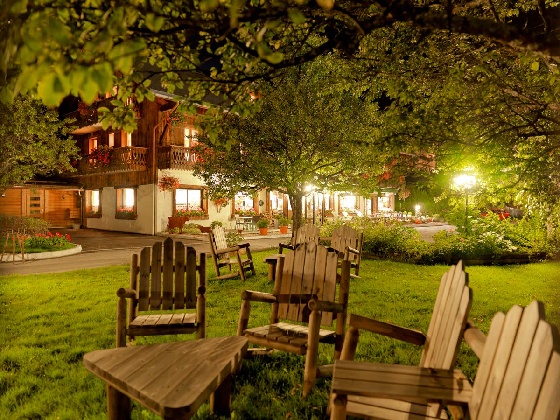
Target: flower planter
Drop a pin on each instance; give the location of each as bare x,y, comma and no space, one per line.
176,222
283,229
263,231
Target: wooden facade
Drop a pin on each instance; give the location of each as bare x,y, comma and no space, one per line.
60,206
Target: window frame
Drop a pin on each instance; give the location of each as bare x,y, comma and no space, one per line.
90,213
119,214
204,197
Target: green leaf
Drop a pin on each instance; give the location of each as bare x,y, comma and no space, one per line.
50,89
535,66
102,74
274,58
88,90
153,22
123,54
207,6
296,16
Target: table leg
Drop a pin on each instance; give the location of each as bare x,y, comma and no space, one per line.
271,270
220,400
118,404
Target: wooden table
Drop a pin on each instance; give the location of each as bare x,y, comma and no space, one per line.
171,379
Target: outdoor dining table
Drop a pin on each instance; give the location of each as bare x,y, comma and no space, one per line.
171,379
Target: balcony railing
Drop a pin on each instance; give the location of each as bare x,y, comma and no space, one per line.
123,159
176,157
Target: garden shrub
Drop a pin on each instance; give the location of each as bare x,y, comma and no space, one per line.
22,224
47,242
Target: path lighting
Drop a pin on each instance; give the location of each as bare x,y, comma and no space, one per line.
465,182
417,210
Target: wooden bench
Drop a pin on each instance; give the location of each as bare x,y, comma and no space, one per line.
163,297
170,379
518,376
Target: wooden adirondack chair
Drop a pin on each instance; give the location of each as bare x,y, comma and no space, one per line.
440,347
304,291
163,286
224,256
305,233
348,243
518,375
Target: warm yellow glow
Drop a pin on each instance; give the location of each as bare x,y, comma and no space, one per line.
464,181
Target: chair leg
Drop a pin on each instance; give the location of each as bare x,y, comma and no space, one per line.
310,372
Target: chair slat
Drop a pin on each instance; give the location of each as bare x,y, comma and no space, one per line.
435,320
548,404
535,364
500,364
285,283
168,277
179,291
518,359
191,290
295,280
144,280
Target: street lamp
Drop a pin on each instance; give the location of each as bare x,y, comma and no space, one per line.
465,182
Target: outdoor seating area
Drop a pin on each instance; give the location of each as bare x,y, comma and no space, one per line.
311,290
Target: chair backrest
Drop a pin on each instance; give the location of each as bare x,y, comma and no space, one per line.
308,270
345,236
306,233
518,376
218,238
166,276
451,310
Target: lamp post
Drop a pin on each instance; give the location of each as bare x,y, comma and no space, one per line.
465,182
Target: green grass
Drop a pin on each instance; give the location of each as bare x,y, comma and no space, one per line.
50,321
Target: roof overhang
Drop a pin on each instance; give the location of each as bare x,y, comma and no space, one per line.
87,129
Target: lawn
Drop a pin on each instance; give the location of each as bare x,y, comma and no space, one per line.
50,321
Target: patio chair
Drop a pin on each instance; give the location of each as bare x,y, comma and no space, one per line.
440,347
348,242
163,287
225,256
518,375
304,292
305,233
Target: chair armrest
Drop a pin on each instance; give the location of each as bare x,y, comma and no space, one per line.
126,293
353,250
322,305
258,296
400,382
384,328
230,249
474,338
282,246
245,245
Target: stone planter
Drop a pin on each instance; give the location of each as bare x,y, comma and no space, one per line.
176,222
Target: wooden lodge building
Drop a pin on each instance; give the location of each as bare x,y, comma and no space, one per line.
115,186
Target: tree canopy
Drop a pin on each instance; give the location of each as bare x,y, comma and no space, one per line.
305,134
69,47
33,141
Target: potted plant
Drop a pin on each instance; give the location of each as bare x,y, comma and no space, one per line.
262,224
283,223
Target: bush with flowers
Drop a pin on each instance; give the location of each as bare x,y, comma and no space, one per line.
245,212
168,182
47,242
191,211
100,156
126,213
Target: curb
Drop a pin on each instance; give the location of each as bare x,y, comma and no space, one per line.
43,255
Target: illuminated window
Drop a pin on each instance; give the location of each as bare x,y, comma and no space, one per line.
126,203
348,202
185,198
190,137
243,202
128,139
92,144
93,203
111,139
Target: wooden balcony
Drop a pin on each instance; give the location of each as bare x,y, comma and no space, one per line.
123,159
176,157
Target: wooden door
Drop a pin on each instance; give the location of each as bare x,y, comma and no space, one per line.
35,203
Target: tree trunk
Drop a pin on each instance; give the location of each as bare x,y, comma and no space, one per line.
297,207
